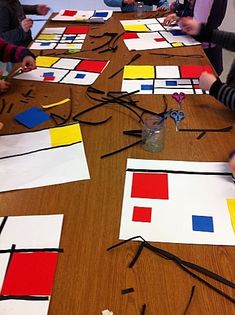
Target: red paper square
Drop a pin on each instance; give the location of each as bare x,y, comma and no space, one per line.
149,185
142,214
130,35
48,78
91,66
77,30
30,274
193,71
159,39
69,13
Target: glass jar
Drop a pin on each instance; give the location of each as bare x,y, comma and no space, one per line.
153,133
139,9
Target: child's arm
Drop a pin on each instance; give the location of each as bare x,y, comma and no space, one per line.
203,34
40,9
4,86
30,9
221,91
15,35
118,3
162,4
12,53
221,38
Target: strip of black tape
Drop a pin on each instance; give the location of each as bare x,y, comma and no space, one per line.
3,224
32,250
127,291
24,297
177,172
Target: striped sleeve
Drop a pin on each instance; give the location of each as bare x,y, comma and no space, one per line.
221,38
12,53
223,93
224,39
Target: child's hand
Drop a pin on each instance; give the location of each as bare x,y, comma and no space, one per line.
190,25
1,125
206,80
26,24
42,9
4,86
28,63
170,19
173,7
129,2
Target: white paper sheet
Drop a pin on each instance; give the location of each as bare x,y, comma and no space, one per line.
188,195
38,74
27,232
49,166
64,70
15,307
162,79
80,15
71,78
57,38
160,35
135,85
33,231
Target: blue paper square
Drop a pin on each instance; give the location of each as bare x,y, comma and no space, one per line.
202,223
80,76
48,74
70,37
177,32
32,117
146,87
45,44
171,83
101,14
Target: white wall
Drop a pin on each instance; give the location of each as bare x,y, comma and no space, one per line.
71,4
229,20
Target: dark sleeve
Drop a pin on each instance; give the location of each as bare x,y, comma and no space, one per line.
223,93
30,9
25,52
13,53
12,36
221,38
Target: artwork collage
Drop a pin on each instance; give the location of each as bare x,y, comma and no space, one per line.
159,201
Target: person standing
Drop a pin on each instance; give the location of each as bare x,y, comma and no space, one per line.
211,13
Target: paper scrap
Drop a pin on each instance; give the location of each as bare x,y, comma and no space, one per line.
66,100
32,117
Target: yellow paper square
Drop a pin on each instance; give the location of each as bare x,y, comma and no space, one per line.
177,44
231,207
71,45
43,61
139,72
46,37
80,19
65,135
136,28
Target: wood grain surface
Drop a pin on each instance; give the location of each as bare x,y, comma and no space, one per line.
89,279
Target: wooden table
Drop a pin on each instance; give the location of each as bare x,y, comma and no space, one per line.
89,279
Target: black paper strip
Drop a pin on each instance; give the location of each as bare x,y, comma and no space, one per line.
127,291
